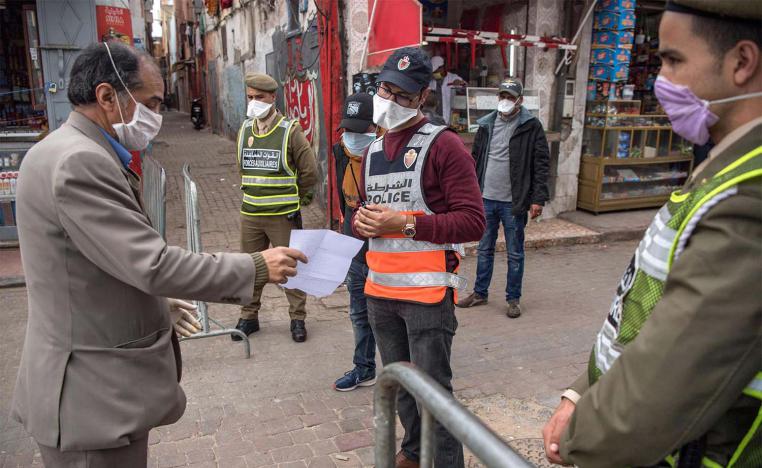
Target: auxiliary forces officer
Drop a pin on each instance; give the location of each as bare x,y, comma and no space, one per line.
674,376
278,169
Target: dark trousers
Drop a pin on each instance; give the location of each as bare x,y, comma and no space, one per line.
421,334
364,358
497,212
134,455
365,344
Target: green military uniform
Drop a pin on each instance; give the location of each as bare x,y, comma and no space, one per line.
691,297
277,167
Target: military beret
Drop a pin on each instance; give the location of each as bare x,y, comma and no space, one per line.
748,10
261,82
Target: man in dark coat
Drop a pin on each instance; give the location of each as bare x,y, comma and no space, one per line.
511,154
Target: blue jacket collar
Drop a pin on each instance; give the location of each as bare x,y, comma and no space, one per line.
120,150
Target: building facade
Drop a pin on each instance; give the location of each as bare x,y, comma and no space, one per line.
316,50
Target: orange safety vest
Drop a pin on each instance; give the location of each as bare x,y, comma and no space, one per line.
401,268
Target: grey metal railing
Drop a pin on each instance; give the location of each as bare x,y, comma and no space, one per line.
155,193
193,228
435,404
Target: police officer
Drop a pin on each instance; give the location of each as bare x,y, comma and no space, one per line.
423,201
278,168
674,376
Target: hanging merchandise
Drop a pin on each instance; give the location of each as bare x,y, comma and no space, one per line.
212,6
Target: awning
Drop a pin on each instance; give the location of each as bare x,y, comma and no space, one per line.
474,38
391,26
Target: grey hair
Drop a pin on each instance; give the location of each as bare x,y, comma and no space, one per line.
93,67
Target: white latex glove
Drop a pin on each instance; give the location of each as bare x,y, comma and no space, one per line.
182,319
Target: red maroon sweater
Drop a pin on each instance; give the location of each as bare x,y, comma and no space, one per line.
450,188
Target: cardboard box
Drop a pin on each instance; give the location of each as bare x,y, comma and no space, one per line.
623,146
613,39
610,56
620,72
600,72
614,21
616,72
591,90
615,5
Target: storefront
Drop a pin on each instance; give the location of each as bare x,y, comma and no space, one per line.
480,42
630,156
22,93
39,41
469,56
23,104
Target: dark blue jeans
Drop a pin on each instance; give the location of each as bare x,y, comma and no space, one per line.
421,334
365,344
498,212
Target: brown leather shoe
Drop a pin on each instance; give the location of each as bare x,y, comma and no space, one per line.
514,309
471,301
401,461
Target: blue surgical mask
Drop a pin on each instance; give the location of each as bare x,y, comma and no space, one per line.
356,143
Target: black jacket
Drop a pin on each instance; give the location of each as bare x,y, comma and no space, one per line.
341,166
529,156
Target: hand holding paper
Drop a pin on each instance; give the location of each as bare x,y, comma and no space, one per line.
330,255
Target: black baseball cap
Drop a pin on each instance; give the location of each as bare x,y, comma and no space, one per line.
358,113
409,68
512,86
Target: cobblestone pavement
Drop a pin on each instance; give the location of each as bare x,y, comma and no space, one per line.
277,409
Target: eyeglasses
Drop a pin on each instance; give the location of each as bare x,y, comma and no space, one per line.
401,99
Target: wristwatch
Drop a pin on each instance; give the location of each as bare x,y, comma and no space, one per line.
409,229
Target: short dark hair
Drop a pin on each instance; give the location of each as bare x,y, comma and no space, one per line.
723,34
93,67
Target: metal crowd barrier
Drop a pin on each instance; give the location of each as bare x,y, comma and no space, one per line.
193,228
155,193
434,404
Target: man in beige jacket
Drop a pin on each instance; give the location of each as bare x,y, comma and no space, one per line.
101,364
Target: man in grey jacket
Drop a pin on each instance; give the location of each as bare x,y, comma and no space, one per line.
101,364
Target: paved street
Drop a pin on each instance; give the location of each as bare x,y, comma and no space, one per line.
278,408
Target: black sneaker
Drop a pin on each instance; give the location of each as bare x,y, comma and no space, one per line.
471,301
247,327
514,309
298,331
353,379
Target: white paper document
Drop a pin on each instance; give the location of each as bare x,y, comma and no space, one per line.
329,254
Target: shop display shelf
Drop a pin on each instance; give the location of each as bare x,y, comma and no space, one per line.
608,184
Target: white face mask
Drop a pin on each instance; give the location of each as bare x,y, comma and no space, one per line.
144,126
138,133
258,109
389,115
505,106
